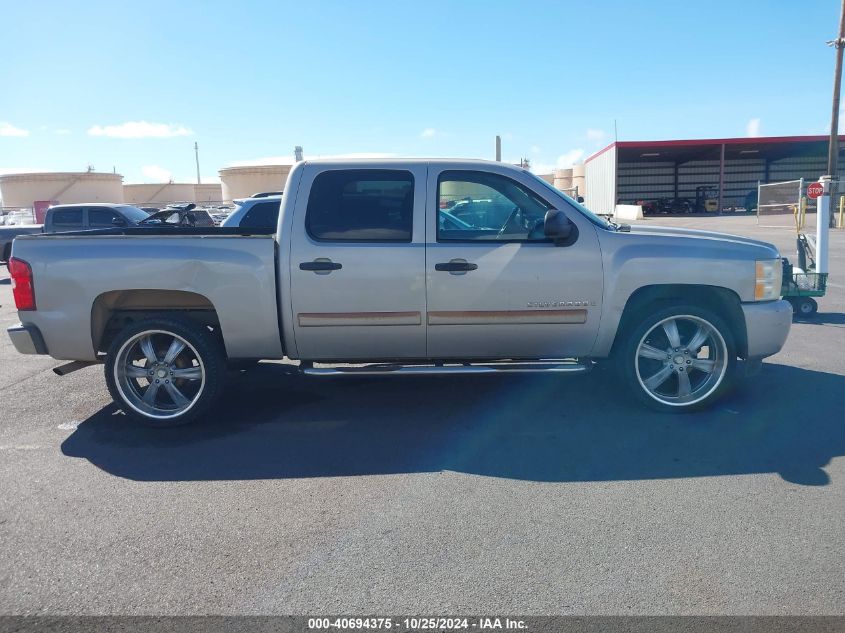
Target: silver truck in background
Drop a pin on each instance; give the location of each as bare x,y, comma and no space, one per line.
402,267
73,217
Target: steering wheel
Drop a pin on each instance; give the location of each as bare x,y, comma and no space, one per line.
511,220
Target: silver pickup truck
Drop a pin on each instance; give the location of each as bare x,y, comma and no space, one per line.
402,267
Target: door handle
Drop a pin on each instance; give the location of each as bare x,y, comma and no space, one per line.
320,266
455,266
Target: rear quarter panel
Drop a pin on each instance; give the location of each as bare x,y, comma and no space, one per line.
236,274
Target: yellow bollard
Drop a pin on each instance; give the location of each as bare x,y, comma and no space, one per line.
841,209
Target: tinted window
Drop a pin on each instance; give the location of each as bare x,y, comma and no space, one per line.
67,219
361,205
101,218
263,214
133,214
483,206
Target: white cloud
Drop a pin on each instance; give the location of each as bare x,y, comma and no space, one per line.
568,159
594,134
289,160
7,129
752,128
572,157
140,129
156,173
63,132
428,132
535,149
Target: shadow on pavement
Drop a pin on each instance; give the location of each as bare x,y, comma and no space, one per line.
824,318
543,428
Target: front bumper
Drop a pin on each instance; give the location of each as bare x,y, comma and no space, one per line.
27,339
767,326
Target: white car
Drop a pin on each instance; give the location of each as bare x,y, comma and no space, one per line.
261,213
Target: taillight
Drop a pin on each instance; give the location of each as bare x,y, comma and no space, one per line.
22,288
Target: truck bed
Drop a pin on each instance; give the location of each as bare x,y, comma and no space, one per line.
81,276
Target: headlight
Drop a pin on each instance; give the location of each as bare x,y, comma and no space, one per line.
769,273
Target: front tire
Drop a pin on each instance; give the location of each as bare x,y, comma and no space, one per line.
165,371
678,359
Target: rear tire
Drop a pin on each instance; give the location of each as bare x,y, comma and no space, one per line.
165,372
678,359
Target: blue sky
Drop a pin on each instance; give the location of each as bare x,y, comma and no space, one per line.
132,85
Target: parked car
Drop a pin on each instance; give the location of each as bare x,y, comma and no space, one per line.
61,218
179,215
360,271
260,211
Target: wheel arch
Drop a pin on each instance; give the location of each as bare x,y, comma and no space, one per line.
722,301
114,310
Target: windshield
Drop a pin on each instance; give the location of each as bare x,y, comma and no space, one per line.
592,217
132,214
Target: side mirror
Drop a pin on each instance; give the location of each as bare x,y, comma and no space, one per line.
118,221
557,226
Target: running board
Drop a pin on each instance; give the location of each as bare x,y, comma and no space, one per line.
75,365
555,367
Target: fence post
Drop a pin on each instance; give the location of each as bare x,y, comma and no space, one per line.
823,226
803,206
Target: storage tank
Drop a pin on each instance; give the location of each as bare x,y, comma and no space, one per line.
563,179
158,193
579,179
208,192
21,190
242,182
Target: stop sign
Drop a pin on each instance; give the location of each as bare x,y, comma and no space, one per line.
814,190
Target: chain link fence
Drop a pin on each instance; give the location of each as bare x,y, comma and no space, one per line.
783,205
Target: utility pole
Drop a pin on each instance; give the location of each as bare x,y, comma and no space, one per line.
197,155
499,144
833,148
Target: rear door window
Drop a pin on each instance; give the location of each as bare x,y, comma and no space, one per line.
101,218
67,219
361,205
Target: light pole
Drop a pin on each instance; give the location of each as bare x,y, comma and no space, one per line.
833,148
197,155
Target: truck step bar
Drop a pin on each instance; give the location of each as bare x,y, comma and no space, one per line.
514,367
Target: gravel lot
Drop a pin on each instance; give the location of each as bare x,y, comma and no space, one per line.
541,495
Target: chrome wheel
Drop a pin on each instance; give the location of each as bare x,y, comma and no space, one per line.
159,374
681,360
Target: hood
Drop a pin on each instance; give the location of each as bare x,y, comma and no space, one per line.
762,250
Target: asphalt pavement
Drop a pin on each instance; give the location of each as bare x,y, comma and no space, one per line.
440,495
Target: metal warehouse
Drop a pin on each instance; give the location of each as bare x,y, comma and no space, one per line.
722,172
